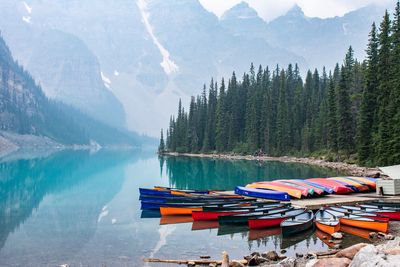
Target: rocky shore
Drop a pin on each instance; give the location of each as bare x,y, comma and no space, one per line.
350,169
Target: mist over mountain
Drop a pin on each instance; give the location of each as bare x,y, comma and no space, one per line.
148,54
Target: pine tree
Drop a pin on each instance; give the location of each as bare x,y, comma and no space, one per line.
368,107
332,115
161,147
221,120
384,71
344,120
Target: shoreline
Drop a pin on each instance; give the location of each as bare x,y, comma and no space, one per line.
350,169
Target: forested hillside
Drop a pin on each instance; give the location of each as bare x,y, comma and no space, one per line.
351,112
24,109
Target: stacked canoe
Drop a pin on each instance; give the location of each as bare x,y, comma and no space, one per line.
312,187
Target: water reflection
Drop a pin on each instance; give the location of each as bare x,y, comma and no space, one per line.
202,173
26,183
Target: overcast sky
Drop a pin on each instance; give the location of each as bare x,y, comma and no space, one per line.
270,9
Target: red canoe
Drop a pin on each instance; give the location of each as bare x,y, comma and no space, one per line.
213,215
304,191
336,186
272,220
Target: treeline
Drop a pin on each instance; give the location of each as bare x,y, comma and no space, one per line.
352,112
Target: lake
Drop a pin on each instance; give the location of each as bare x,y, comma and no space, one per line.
81,208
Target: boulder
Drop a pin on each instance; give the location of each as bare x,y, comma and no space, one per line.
337,235
350,252
271,255
288,262
330,262
392,251
236,264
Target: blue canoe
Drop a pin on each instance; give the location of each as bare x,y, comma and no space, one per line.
328,190
262,193
145,191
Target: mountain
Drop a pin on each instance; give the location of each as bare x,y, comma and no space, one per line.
323,41
62,63
25,110
242,20
151,53
69,72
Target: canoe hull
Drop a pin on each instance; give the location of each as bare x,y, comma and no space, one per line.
264,223
295,229
379,226
178,210
262,193
329,229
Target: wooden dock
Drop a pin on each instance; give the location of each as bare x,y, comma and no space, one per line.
316,203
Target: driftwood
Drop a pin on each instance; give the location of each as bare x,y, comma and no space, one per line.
199,262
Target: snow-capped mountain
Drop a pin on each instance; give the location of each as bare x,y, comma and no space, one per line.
152,52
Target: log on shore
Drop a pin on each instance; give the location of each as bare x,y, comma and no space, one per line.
200,262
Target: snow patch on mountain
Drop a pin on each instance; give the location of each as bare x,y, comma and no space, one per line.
167,64
27,7
27,19
116,73
106,80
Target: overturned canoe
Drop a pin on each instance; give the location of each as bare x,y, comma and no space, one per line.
326,221
281,189
262,193
337,187
327,190
304,192
371,182
315,190
360,187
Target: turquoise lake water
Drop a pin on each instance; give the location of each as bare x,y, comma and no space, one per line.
81,208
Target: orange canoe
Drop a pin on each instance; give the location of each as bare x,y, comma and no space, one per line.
178,210
292,192
366,223
366,181
330,229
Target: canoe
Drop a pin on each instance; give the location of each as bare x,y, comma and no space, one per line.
365,223
145,191
337,187
156,205
391,214
371,182
262,193
272,220
298,223
154,198
382,204
327,222
316,190
202,225
255,234
360,187
175,219
243,218
352,187
355,231
214,214
310,191
339,211
326,189
303,191
251,206
361,221
178,210
293,193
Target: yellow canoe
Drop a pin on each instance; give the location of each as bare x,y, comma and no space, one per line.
370,183
291,192
178,210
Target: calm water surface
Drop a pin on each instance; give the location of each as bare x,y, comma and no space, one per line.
82,209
